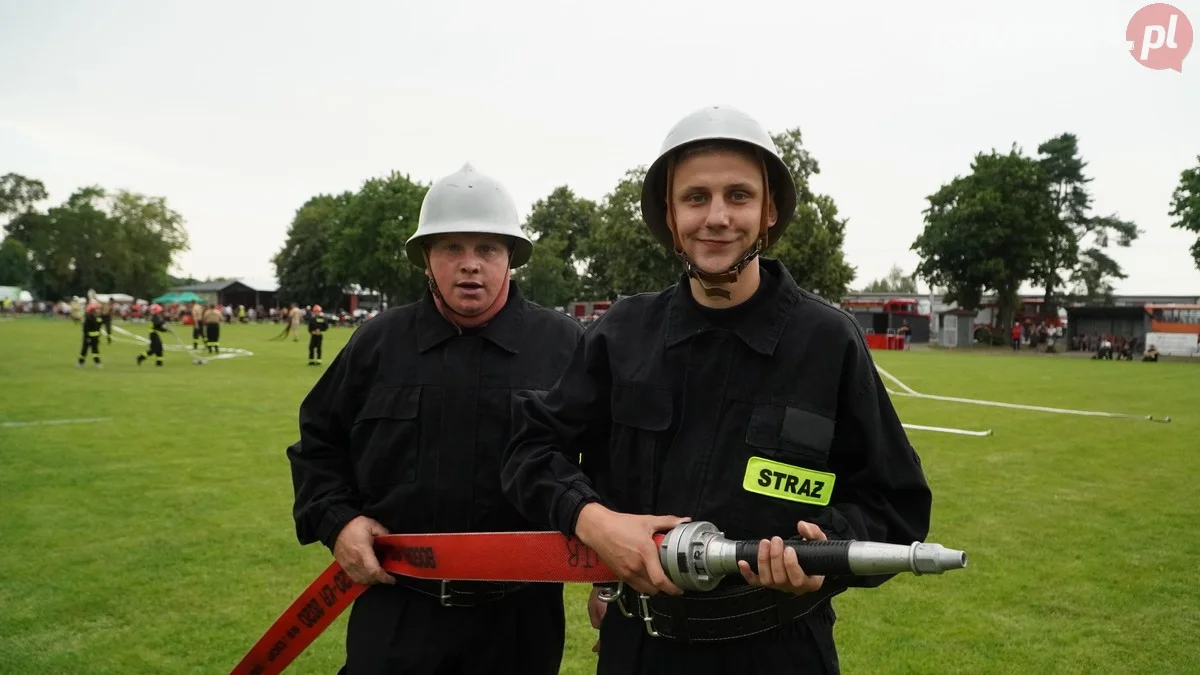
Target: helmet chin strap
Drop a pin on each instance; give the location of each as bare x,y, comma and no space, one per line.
712,282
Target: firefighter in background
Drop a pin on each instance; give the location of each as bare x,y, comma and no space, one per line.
158,325
212,329
91,334
294,317
197,324
291,324
317,326
106,310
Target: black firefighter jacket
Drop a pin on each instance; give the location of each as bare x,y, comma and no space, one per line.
409,423
752,418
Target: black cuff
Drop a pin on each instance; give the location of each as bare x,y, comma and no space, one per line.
335,518
566,512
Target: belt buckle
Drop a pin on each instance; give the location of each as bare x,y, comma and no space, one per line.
447,599
644,602
609,595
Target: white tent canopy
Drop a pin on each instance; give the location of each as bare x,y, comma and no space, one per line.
115,297
15,294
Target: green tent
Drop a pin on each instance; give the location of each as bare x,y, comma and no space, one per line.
175,297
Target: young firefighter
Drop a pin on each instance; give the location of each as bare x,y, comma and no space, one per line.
212,329
158,324
91,333
404,433
317,326
733,397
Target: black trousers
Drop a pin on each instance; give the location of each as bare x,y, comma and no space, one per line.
156,347
398,631
91,342
314,346
804,646
213,336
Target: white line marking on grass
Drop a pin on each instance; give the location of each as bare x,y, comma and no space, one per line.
225,353
909,391
946,430
85,420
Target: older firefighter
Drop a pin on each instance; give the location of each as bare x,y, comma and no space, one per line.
92,324
405,431
724,398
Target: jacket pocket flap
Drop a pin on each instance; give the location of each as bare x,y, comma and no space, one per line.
781,427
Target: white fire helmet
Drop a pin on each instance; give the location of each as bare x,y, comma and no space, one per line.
717,123
468,201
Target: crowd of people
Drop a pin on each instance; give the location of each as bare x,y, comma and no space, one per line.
76,308
1108,347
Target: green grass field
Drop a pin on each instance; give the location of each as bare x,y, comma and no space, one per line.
161,541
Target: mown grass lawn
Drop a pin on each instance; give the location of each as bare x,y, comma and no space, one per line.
161,540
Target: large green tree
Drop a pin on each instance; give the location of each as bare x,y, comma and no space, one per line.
988,230
18,193
120,242
1079,248
558,225
622,257
148,236
1185,206
812,246
14,263
367,246
302,265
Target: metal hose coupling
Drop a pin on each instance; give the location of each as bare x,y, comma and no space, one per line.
696,556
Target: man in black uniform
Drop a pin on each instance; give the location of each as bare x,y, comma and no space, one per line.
719,399
91,334
405,431
158,325
317,326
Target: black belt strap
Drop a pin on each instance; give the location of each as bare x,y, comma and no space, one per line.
462,593
725,614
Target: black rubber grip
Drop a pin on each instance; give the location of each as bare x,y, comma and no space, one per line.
815,557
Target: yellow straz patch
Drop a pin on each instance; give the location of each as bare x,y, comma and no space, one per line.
783,481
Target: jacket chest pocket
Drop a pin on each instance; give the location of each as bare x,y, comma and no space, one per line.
386,434
787,433
785,473
641,417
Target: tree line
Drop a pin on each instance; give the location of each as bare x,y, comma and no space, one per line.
1017,218
583,249
1013,219
118,241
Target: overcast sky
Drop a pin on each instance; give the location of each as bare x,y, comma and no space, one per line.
237,112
